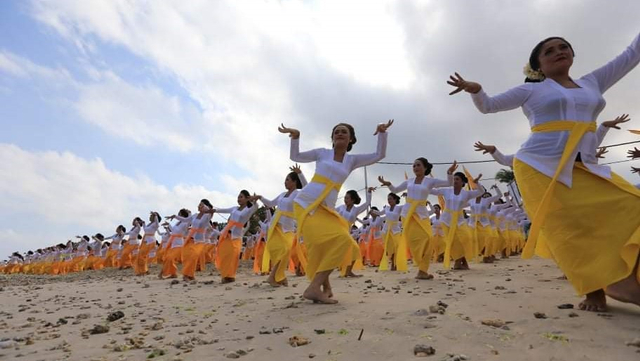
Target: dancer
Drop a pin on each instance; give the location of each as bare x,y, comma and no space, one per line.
281,232
416,225
458,241
173,251
115,244
230,241
194,244
325,233
562,112
148,243
375,243
350,213
395,247
126,260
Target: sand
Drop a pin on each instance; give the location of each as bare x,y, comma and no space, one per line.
381,316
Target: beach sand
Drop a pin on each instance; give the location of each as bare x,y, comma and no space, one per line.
381,316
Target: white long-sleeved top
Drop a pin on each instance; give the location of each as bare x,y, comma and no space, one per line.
420,192
285,204
150,232
391,216
116,239
375,224
329,168
351,214
436,226
133,236
481,208
456,202
199,223
180,229
239,215
548,101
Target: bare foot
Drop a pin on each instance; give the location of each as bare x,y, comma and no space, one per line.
487,260
352,275
160,275
318,297
172,277
227,280
284,283
327,292
461,264
595,302
273,282
424,276
187,278
627,290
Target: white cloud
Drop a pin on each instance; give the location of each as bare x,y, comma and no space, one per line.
60,195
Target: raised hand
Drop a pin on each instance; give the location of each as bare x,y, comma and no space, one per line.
453,167
383,182
614,123
635,170
382,127
484,148
371,189
293,133
295,168
633,154
601,152
477,179
460,84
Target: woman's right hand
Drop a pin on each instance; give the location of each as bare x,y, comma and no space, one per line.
484,148
293,133
457,81
383,182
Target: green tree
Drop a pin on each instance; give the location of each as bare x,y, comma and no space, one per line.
505,176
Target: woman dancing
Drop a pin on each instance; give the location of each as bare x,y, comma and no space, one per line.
562,113
325,233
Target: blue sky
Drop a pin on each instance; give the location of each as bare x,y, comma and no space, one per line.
110,109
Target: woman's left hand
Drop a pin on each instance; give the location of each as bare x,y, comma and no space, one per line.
382,127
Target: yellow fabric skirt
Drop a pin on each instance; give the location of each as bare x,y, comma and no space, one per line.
327,242
279,249
485,240
463,245
396,248
592,229
419,243
228,257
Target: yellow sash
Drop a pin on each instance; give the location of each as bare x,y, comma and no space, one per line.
266,257
329,185
453,226
414,203
576,131
476,224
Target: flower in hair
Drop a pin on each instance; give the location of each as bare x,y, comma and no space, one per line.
532,74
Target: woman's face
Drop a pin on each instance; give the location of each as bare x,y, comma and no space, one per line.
457,182
242,200
418,168
341,137
391,200
201,207
289,184
555,56
347,200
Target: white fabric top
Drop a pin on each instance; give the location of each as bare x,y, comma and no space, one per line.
239,215
329,168
133,236
436,226
481,208
150,229
195,222
420,192
547,101
285,203
455,202
115,240
391,215
375,224
351,214
181,228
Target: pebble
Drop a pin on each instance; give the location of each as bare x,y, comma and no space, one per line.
635,343
423,350
565,306
97,329
539,315
232,355
113,316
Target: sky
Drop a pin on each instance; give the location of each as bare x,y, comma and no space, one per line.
110,109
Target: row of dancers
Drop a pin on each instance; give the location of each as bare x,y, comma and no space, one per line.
583,216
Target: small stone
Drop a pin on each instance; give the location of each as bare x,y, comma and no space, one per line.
493,322
421,312
232,355
119,290
423,350
250,337
573,314
539,315
113,316
174,282
242,352
83,316
565,306
98,329
635,342
320,331
7,344
296,341
312,355
62,321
